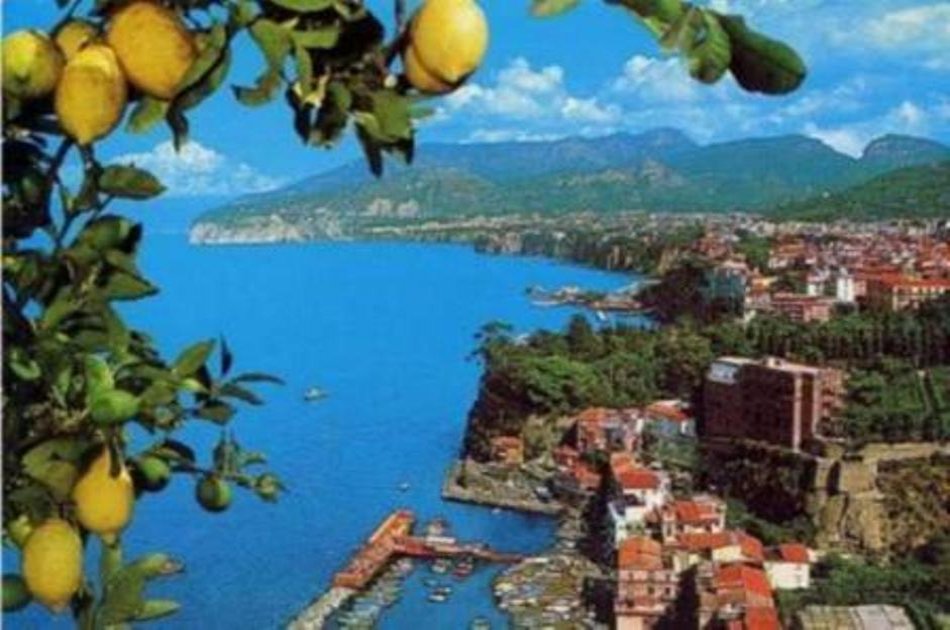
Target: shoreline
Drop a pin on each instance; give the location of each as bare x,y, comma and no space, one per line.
453,491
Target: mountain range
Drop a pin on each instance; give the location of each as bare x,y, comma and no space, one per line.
658,170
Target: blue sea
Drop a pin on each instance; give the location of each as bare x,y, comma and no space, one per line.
386,329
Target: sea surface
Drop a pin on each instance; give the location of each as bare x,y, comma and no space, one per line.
387,330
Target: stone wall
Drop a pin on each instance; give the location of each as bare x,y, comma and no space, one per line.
841,493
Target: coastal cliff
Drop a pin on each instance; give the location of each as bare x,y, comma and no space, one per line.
883,498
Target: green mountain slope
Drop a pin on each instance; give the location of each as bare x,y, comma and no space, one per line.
912,192
659,170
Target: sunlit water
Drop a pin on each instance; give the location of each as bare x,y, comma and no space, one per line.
386,329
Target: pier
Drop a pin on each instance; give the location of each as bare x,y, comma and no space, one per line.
391,540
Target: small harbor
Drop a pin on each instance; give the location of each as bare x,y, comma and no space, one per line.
372,579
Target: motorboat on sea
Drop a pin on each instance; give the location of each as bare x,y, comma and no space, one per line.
313,394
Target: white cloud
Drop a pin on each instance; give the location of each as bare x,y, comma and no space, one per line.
851,138
508,135
849,141
522,93
920,26
656,80
197,170
918,34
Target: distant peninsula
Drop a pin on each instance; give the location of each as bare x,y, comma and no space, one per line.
661,170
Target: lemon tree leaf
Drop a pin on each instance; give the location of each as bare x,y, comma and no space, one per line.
227,358
759,63
55,464
333,114
323,37
129,182
146,114
257,377
303,6
109,232
263,92
216,411
61,307
206,86
193,357
212,53
230,390
122,285
274,41
709,58
548,8
157,608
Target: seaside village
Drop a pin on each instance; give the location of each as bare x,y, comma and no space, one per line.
636,539
881,266
662,538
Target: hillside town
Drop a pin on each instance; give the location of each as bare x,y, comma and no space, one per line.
658,526
883,266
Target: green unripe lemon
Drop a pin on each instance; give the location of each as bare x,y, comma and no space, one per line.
151,473
15,593
213,493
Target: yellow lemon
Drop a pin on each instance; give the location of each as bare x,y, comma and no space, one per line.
153,46
52,563
31,64
92,94
73,35
419,77
104,503
448,39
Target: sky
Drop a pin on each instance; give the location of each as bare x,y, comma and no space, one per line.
875,67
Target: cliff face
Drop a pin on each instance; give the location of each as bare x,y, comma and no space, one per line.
887,498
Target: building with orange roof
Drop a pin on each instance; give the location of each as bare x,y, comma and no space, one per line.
647,585
608,430
897,292
637,492
735,596
725,546
670,418
756,619
788,566
701,514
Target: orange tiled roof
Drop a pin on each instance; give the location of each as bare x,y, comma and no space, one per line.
640,552
758,618
741,577
750,546
638,479
794,552
694,511
921,283
621,461
585,476
667,410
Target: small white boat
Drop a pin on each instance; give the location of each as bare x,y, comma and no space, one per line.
314,394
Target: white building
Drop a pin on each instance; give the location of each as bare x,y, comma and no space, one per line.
844,287
789,566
